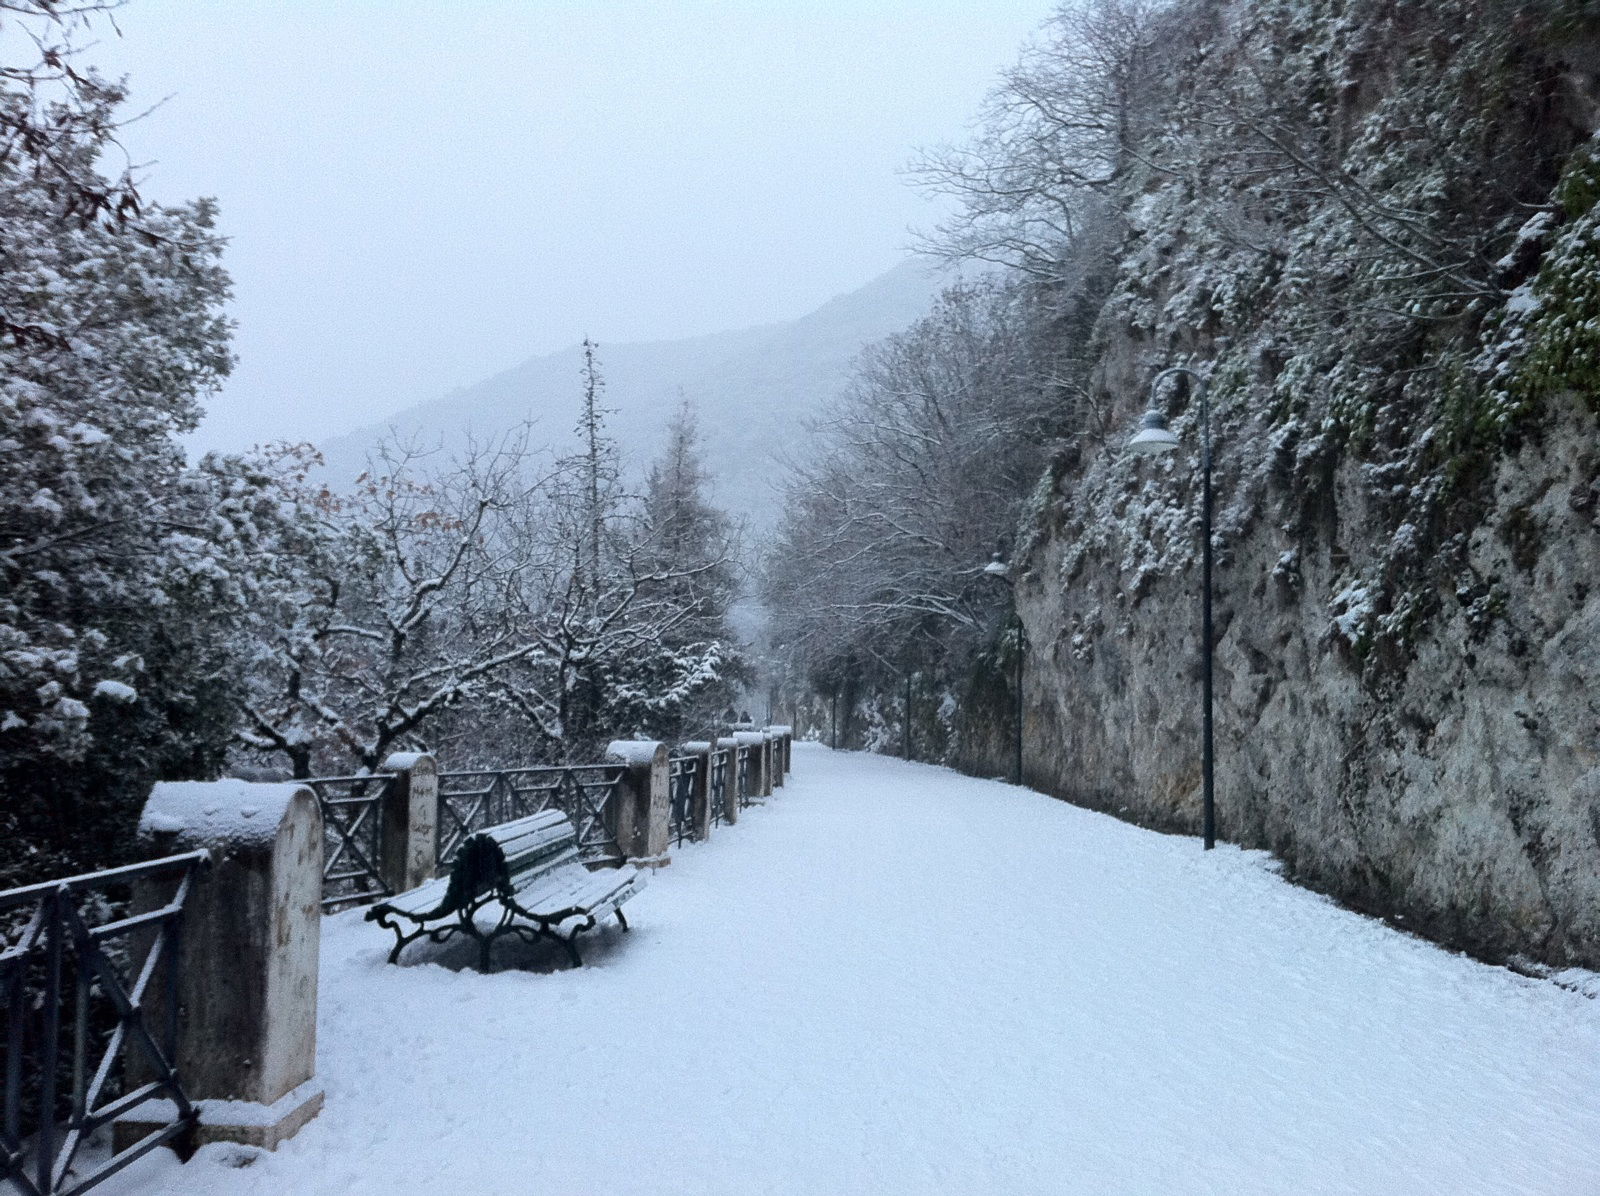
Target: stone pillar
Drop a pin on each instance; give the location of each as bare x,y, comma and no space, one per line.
247,992
760,762
731,778
645,816
773,749
766,765
785,748
775,757
408,854
700,795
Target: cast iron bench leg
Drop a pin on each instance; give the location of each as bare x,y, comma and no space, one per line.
621,919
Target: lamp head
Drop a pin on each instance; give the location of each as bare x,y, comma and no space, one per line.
997,567
1153,435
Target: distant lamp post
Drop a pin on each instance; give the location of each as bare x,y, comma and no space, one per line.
1155,437
1000,571
907,744
777,673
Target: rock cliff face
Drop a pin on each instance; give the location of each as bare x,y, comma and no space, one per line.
1464,799
1407,527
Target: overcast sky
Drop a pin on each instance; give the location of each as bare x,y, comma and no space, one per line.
421,195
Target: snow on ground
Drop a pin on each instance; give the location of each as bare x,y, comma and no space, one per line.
896,979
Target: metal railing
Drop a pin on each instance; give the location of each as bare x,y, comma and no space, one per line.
63,1083
352,836
585,793
469,801
683,773
720,759
742,786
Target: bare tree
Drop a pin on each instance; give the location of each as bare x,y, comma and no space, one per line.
405,602
919,469
1060,130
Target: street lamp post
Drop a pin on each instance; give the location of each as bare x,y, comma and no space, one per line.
907,744
1154,437
999,570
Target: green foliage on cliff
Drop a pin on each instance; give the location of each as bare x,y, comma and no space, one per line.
1555,323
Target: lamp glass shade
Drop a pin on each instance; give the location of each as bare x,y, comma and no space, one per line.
1153,435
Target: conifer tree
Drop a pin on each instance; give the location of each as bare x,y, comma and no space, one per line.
117,597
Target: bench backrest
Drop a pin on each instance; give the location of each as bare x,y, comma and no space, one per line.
491,859
538,843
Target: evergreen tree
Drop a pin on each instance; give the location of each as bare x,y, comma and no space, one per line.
697,667
685,530
598,471
117,603
588,504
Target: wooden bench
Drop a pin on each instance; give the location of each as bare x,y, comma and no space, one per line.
529,869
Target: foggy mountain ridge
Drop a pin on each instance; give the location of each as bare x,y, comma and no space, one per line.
752,388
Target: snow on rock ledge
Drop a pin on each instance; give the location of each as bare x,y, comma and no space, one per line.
218,813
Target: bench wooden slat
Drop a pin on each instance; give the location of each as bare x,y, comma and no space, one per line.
522,834
548,858
420,899
585,889
543,840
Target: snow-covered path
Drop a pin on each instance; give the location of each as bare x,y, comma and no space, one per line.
893,978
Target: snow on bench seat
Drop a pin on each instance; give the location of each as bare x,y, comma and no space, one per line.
530,870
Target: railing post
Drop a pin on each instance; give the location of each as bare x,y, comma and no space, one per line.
247,992
700,795
784,764
774,752
760,762
775,755
408,851
730,778
644,814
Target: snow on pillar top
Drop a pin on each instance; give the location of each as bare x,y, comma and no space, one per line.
220,813
406,761
781,729
636,752
695,747
749,738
